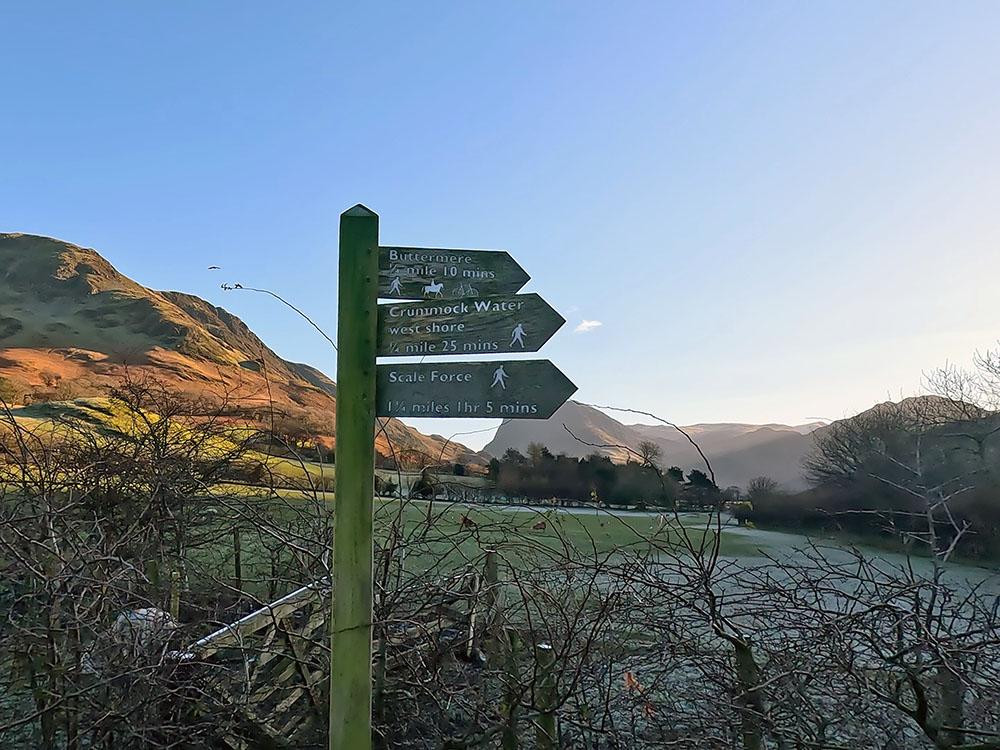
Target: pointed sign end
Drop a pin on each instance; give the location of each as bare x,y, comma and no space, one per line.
359,210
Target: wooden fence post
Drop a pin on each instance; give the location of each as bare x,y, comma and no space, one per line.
491,574
175,594
491,635
545,726
238,562
474,633
512,689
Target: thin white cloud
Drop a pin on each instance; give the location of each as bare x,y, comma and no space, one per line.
587,325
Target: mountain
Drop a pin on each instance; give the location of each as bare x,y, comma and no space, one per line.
737,452
71,326
602,434
948,428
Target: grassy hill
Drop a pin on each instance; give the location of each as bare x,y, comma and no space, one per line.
71,326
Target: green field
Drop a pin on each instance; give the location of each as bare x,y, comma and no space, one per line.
430,536
586,532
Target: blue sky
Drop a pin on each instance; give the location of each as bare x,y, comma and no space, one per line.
775,210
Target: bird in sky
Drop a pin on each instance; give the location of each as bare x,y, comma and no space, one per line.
213,268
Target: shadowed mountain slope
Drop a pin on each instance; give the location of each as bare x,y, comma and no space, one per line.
738,452
71,326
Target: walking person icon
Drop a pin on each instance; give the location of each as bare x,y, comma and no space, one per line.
517,335
394,287
499,378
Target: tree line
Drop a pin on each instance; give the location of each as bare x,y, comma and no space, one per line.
540,475
900,466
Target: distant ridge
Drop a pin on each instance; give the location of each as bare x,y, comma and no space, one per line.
738,452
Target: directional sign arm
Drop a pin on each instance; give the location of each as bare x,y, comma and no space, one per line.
480,325
430,273
504,389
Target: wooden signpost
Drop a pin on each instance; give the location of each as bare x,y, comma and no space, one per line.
466,303
351,631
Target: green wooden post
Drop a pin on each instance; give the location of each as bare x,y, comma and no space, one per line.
350,667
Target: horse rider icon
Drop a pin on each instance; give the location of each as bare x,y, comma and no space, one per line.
394,287
517,335
499,378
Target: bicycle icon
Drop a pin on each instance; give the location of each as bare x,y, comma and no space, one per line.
466,291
